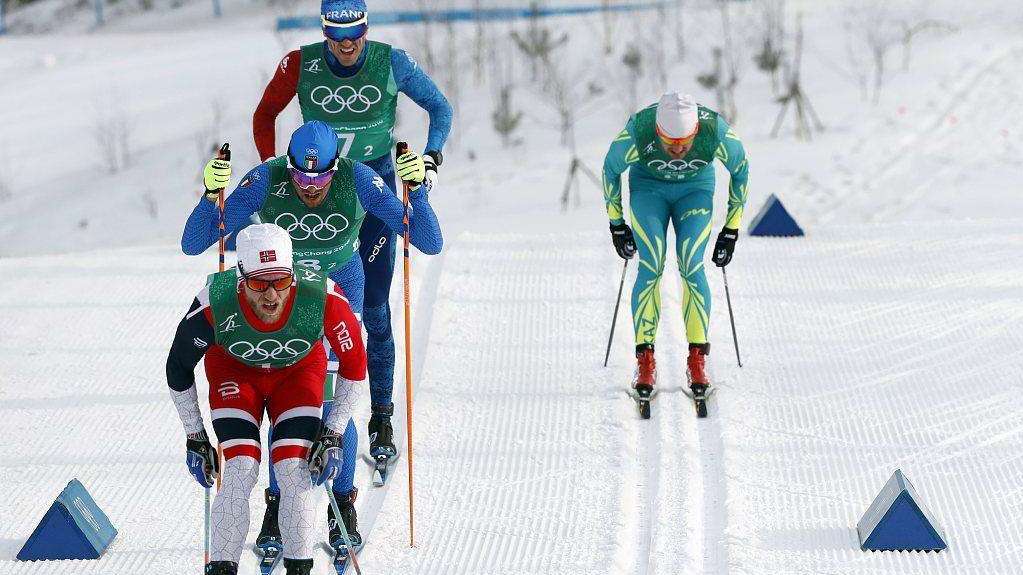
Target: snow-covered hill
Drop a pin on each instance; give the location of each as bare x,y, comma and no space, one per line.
888,337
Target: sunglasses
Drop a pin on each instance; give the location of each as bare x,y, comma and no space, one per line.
339,31
676,142
279,284
307,180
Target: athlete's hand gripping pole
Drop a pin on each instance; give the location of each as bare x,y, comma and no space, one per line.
614,319
731,317
401,149
341,526
223,155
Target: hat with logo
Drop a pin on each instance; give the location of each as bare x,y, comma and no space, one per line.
677,117
264,250
313,147
344,19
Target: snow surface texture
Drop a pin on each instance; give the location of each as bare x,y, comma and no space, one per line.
888,337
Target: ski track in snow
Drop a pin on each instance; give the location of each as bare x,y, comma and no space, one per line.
529,456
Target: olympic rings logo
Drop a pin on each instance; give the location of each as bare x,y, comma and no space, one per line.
676,165
269,349
345,98
312,225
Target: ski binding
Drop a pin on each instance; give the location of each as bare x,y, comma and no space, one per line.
270,555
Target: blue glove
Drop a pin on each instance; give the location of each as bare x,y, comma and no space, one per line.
325,456
201,459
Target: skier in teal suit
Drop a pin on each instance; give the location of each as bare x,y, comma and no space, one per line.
669,149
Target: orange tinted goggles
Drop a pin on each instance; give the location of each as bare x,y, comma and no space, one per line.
670,142
260,285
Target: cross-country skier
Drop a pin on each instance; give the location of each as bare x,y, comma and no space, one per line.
261,327
669,148
319,198
352,84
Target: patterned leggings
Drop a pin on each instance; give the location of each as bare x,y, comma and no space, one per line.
688,208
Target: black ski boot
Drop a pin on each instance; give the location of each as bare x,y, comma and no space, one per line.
346,503
221,568
270,533
298,566
381,433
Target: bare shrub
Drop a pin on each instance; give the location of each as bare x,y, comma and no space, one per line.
209,137
112,131
805,116
771,54
150,204
632,59
538,43
506,118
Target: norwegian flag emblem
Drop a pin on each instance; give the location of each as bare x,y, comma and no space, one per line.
267,256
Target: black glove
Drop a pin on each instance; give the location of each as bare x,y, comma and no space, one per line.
724,247
201,458
433,159
621,235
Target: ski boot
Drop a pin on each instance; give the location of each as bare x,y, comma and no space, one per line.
382,451
699,385
270,532
644,379
269,544
298,566
346,503
221,568
381,433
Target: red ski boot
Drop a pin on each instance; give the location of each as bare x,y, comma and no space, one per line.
699,385
644,379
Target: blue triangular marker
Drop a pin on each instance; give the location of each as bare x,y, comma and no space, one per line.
73,528
774,220
898,521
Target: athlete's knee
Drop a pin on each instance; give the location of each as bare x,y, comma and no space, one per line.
377,320
294,432
238,433
241,472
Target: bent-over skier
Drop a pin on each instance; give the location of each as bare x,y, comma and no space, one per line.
669,149
261,328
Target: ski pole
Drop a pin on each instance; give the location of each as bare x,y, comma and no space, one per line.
731,317
614,318
224,154
400,149
206,530
341,526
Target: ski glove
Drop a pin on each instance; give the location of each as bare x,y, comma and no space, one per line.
724,247
201,458
325,456
411,169
216,175
432,159
625,245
